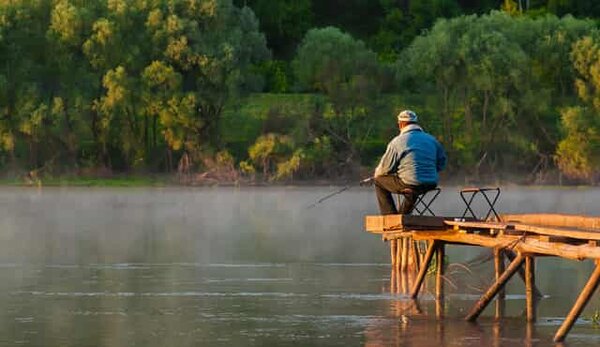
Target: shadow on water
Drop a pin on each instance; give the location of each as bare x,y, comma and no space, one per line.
224,266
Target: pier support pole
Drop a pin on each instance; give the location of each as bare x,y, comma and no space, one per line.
499,269
579,305
423,270
529,334
414,255
405,250
511,256
493,290
529,285
399,254
393,252
439,279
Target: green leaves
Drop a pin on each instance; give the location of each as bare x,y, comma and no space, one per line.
498,81
131,77
578,153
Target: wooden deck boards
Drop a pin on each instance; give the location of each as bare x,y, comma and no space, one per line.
584,228
381,224
553,219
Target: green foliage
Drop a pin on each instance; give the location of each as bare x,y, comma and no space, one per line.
497,80
347,72
329,60
287,168
578,153
401,24
278,75
284,23
596,318
271,152
130,79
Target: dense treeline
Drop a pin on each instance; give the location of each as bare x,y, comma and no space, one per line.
273,90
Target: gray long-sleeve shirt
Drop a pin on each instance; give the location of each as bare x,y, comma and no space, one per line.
414,155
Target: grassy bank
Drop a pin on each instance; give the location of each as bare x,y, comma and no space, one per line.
74,181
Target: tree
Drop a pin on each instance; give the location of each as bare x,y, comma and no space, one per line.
284,23
332,62
497,80
578,153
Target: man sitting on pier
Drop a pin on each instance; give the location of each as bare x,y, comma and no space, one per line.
412,161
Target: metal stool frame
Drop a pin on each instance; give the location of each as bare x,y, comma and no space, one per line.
421,204
483,191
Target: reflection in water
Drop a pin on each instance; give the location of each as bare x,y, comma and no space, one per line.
415,326
251,267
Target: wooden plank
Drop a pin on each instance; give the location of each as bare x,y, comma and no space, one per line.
516,243
554,219
573,233
478,225
380,224
570,232
547,238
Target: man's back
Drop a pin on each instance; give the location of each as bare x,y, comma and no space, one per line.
420,158
414,156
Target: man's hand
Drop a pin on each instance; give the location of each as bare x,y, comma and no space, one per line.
367,181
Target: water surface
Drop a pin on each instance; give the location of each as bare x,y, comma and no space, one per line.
251,267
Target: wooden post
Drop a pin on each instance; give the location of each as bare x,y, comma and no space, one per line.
393,280
404,254
439,280
422,247
584,297
410,258
493,290
499,269
529,284
416,255
529,333
496,334
399,254
511,256
405,286
423,270
393,252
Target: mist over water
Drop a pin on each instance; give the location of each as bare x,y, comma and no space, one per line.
251,266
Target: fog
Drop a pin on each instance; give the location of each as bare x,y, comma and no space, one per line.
241,266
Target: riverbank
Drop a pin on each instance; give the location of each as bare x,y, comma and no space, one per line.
175,180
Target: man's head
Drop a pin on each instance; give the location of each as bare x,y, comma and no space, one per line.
406,117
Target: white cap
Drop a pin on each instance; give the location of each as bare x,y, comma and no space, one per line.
407,116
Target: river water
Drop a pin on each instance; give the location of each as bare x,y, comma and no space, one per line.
252,267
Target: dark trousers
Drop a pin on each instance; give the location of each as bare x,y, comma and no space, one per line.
388,184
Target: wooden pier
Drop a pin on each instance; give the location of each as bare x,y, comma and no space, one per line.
415,241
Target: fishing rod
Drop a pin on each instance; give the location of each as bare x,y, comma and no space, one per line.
366,181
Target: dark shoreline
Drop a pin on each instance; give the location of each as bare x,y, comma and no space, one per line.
174,181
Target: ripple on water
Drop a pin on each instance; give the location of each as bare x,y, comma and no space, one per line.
161,294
